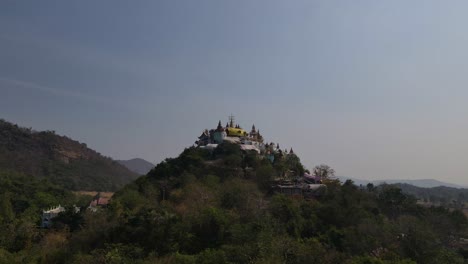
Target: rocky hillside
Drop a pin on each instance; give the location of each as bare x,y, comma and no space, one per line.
61,160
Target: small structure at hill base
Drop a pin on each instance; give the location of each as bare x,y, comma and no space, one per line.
300,189
98,202
48,215
308,186
312,179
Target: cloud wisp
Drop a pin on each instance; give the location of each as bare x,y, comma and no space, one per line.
52,90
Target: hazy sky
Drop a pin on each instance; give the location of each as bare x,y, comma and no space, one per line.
375,89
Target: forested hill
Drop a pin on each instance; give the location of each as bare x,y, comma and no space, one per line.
218,206
59,159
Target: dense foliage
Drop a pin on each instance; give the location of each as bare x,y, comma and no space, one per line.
59,159
216,207
22,199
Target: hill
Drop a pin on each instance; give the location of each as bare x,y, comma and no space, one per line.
137,165
59,159
217,206
423,183
430,191
436,195
220,203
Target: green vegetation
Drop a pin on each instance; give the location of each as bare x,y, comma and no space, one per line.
22,200
59,159
216,207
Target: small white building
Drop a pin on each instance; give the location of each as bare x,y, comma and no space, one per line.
48,215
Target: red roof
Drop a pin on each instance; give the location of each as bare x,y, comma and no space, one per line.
103,201
99,201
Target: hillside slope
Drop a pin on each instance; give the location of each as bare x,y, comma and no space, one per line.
137,165
61,160
218,206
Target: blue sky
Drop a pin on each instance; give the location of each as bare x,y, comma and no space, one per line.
375,89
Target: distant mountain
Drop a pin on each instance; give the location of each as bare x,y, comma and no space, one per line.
139,166
423,183
436,195
61,160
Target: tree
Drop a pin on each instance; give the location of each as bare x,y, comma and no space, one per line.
6,209
264,175
370,187
294,163
323,171
393,201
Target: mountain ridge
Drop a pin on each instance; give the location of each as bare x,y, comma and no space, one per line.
423,183
62,160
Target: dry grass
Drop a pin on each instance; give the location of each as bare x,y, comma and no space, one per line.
93,193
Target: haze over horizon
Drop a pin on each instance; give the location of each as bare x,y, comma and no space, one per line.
374,89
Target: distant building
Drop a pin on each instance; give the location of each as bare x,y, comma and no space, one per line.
48,215
270,156
98,202
300,189
235,134
312,178
232,133
219,134
204,138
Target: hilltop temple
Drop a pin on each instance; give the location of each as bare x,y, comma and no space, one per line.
233,133
305,185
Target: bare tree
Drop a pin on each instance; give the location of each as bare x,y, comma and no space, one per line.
323,171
